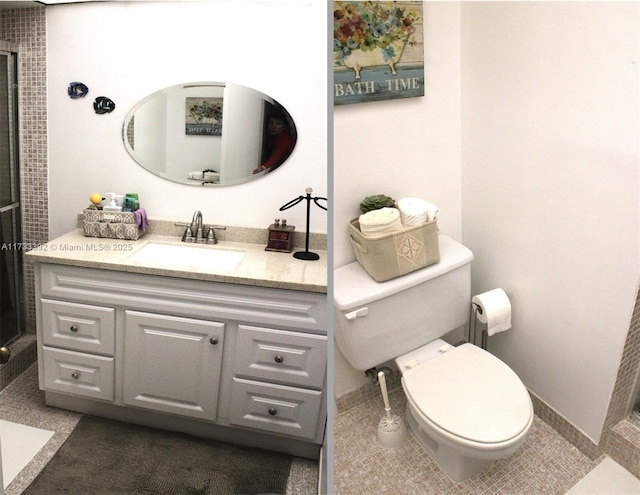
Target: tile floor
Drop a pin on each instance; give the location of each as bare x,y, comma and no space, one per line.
22,402
545,464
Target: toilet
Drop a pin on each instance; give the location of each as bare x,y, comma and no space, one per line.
465,406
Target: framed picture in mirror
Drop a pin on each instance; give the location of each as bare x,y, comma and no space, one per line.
203,116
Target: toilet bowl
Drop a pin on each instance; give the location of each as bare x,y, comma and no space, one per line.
464,405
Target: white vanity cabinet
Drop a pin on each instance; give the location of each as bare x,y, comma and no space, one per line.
228,361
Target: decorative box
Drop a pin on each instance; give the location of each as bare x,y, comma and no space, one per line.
397,253
280,238
110,224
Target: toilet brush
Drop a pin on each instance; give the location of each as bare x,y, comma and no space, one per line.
392,432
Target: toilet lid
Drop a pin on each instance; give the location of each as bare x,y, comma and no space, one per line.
471,394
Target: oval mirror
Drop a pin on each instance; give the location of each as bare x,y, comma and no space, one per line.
209,134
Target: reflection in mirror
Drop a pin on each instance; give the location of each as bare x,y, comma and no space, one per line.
209,134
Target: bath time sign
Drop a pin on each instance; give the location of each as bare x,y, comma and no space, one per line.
378,51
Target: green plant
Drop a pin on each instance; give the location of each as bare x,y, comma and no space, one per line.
376,202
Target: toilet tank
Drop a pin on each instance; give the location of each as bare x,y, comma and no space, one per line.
379,321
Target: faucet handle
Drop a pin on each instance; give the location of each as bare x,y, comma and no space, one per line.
211,234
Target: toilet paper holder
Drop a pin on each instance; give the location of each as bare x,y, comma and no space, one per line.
473,320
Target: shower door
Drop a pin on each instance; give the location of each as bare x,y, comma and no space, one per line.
11,297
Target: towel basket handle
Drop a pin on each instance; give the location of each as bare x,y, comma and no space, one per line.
360,247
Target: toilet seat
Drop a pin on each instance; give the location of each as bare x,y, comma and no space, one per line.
471,396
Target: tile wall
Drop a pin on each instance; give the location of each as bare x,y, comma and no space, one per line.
27,28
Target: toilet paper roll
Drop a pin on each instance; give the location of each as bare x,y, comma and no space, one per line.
495,310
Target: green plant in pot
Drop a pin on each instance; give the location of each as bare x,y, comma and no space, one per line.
376,202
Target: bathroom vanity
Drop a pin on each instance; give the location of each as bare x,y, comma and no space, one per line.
227,341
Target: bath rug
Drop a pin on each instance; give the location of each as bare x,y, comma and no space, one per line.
106,457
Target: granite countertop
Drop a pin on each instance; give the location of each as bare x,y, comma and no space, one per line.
258,267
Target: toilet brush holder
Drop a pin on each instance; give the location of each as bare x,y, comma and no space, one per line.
392,432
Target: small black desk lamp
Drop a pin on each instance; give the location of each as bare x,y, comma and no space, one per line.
306,254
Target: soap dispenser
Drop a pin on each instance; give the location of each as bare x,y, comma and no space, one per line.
113,205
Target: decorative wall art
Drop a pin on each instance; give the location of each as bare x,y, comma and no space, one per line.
203,116
378,51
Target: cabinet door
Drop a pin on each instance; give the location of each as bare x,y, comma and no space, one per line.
172,364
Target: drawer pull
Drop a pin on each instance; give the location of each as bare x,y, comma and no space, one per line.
73,328
273,411
213,341
75,375
279,359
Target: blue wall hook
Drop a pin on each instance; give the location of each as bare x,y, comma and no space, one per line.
77,90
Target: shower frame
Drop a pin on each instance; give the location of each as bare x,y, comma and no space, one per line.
12,325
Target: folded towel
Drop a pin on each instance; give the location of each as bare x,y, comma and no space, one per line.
205,175
414,211
380,222
141,219
210,176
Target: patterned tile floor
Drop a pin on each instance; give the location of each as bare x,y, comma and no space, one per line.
545,464
22,402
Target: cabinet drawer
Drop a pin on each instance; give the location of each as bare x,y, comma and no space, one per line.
279,355
78,373
275,408
79,327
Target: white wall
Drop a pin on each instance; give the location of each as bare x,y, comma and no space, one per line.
551,188
127,50
542,99
402,148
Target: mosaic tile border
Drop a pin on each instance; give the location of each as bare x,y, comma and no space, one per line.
27,28
23,354
624,446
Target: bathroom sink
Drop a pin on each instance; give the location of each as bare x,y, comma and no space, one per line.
188,256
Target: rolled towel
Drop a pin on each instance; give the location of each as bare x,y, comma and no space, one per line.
211,176
414,211
376,223
195,175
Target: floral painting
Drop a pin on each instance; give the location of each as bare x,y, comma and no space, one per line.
378,50
203,116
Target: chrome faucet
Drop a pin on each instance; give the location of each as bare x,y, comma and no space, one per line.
199,228
197,220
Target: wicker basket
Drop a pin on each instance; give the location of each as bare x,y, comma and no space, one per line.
110,224
398,253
